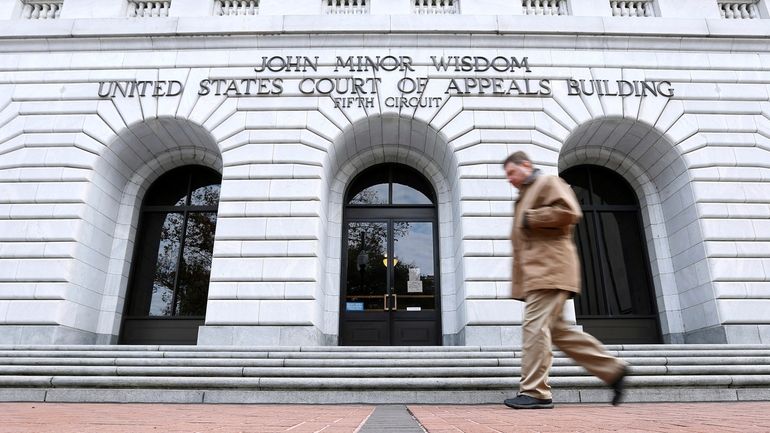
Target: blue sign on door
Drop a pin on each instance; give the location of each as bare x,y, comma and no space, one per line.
355,306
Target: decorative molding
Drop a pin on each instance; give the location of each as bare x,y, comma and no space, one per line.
41,9
236,7
544,7
148,9
640,8
436,7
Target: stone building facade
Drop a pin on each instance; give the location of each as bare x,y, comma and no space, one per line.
291,102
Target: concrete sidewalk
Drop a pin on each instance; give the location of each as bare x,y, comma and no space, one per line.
170,418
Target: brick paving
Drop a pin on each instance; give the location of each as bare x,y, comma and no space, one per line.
639,417
177,418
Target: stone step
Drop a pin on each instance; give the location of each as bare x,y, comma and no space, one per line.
365,374
311,396
83,354
357,372
381,363
251,355
369,383
350,349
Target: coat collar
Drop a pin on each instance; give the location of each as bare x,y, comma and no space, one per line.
531,178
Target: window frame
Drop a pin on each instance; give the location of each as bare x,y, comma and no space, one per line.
391,169
134,285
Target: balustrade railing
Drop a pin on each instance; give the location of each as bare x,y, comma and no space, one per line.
41,9
729,9
236,7
641,8
739,9
346,7
148,9
436,7
544,7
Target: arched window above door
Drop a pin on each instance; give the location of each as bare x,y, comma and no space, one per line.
389,185
597,186
185,186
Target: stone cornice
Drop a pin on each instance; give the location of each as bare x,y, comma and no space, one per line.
611,33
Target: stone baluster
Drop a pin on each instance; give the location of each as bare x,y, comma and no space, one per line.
739,10
544,7
622,8
41,10
433,7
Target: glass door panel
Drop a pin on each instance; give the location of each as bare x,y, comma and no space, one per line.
414,276
195,269
367,272
157,264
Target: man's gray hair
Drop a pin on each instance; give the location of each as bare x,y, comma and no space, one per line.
517,158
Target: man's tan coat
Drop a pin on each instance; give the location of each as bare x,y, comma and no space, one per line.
544,253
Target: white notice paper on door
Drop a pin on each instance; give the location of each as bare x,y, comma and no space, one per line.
414,285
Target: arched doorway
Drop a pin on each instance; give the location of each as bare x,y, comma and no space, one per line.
168,286
390,292
617,304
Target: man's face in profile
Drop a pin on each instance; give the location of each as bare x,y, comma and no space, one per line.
517,174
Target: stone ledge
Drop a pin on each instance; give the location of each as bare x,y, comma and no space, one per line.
13,43
297,24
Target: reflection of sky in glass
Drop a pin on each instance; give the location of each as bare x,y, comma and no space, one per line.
375,194
415,248
403,194
161,300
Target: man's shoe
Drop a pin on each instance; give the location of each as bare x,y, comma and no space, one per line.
618,387
522,401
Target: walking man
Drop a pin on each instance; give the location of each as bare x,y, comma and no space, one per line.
546,272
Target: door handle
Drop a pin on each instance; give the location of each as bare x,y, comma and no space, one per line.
385,306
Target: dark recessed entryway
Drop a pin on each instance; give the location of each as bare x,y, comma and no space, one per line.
390,290
168,287
617,304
